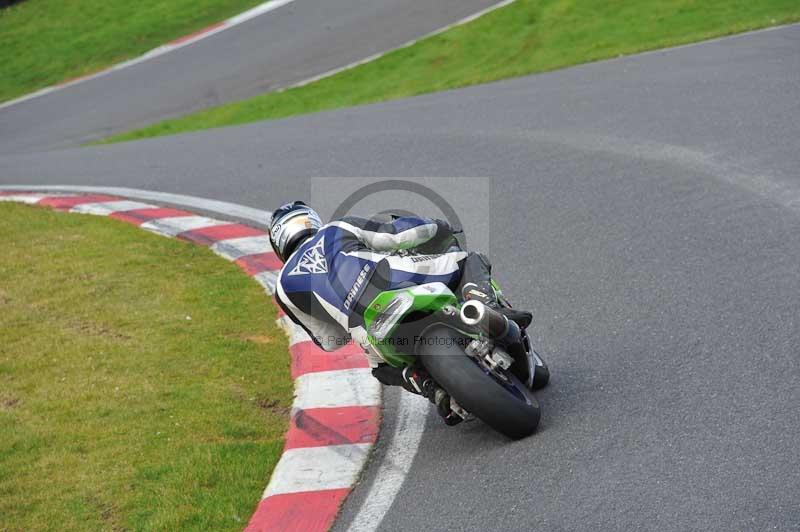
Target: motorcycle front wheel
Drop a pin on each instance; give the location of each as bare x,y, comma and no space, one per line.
497,398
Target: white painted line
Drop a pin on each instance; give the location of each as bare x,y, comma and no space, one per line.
318,468
107,207
178,224
224,25
401,448
412,42
32,95
160,50
256,11
23,198
345,387
267,280
235,248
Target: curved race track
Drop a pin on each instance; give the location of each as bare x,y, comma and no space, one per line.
297,41
647,209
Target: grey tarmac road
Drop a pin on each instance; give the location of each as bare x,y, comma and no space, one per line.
647,210
292,43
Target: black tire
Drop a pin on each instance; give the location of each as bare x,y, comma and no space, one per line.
541,376
514,414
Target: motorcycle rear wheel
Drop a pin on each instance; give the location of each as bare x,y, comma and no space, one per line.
502,402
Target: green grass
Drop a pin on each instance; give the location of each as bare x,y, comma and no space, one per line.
525,37
43,42
143,382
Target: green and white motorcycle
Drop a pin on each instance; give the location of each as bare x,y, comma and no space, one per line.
461,347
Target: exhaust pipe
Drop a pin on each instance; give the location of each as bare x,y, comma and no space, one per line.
487,320
494,325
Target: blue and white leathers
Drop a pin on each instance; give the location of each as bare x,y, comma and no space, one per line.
320,284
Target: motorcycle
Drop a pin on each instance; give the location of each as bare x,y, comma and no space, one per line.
461,347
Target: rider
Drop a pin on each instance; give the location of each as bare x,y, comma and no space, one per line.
328,269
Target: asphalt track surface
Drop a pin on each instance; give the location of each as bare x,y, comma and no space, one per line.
647,210
295,42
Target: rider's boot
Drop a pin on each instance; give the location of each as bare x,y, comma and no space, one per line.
473,291
417,381
477,284
442,401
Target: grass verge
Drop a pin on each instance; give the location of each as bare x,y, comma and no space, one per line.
43,42
143,382
527,36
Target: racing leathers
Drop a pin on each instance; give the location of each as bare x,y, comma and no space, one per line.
320,287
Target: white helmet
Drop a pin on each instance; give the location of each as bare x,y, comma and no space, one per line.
291,225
